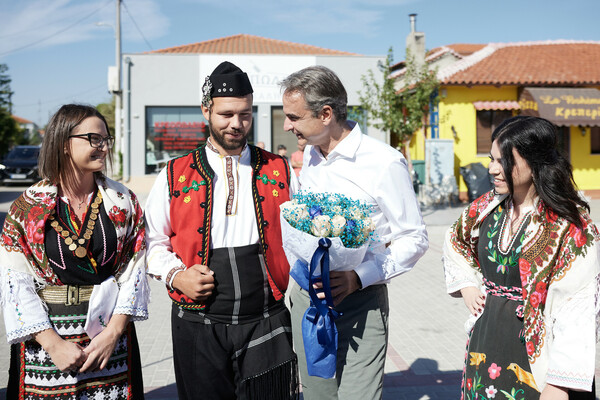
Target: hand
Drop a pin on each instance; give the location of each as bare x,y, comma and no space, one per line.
67,356
474,299
101,347
552,392
342,284
197,282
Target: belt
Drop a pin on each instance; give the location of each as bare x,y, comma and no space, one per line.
69,295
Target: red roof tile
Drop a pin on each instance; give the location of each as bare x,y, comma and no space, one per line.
549,63
250,44
21,120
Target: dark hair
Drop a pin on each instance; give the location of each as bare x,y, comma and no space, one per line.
320,87
535,139
53,161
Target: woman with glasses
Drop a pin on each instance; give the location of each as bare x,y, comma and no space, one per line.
72,271
525,260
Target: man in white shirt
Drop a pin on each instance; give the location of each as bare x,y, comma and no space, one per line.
214,239
340,159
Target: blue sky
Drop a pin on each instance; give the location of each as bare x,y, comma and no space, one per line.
57,53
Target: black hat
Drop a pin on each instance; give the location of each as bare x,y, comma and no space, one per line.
227,80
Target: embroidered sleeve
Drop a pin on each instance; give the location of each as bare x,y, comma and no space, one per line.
23,310
572,351
134,291
458,258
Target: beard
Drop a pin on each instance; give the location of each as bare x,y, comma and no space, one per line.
228,143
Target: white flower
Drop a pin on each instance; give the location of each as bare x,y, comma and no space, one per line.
321,226
368,226
294,212
338,223
357,214
491,391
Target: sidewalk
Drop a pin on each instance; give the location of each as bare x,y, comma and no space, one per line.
426,335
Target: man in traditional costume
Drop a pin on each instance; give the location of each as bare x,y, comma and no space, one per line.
214,239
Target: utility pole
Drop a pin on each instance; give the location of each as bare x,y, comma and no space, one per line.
119,92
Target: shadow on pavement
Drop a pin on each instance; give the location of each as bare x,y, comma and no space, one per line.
425,379
168,392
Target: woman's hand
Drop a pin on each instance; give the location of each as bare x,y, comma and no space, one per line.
102,346
552,392
65,355
474,299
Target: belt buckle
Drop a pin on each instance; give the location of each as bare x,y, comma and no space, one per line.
72,296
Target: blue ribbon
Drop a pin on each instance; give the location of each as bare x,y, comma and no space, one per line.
318,327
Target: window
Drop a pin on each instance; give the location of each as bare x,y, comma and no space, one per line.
174,131
279,136
487,121
595,134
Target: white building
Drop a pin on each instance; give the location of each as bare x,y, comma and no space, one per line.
162,93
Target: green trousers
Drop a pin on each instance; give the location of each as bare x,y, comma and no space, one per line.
362,345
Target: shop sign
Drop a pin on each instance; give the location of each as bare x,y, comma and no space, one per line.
179,136
562,106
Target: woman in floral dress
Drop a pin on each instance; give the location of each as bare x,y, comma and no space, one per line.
72,271
525,259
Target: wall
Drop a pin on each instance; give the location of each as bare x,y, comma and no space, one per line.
176,79
457,110
585,164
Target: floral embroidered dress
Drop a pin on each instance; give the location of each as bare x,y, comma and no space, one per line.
496,357
44,249
547,278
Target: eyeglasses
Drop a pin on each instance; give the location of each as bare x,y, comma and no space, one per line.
96,140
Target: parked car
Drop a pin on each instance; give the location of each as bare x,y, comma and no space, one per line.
20,165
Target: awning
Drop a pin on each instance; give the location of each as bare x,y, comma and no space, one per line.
496,105
562,106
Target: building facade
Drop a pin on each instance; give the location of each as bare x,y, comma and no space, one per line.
483,84
162,93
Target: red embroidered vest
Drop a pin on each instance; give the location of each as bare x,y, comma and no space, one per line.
190,180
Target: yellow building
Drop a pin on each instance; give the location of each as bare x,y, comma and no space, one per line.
481,85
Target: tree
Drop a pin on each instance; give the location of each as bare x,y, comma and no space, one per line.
403,111
108,110
5,92
9,129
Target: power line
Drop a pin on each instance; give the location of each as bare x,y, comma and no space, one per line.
136,25
55,33
62,98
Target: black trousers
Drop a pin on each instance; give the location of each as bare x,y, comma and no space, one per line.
220,361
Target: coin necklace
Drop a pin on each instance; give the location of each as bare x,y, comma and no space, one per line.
72,239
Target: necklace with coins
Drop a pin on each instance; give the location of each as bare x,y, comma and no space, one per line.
73,240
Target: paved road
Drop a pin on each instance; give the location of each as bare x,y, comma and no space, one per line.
426,340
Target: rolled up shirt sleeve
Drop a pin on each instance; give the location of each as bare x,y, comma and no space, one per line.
400,229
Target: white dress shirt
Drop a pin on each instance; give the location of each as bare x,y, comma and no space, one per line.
363,168
238,229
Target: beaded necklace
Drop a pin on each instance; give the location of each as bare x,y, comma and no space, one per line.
505,236
76,243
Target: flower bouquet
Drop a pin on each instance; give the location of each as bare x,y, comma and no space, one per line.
323,232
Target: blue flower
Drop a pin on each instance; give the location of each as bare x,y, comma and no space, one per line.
315,211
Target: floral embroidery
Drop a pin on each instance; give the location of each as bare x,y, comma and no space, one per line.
494,371
195,186
265,179
491,392
181,179
118,216
187,199
276,172
275,193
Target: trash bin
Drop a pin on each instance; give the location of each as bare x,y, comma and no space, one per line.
477,178
418,174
